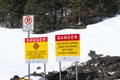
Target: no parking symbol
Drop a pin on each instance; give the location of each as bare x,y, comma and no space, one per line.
28,22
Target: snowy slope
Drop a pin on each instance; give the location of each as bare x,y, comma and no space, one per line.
102,37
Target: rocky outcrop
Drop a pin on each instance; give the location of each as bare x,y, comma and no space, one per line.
98,68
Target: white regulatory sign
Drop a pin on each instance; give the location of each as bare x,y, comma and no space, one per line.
28,23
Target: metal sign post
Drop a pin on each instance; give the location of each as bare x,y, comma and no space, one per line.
45,71
60,70
29,71
29,63
28,24
76,71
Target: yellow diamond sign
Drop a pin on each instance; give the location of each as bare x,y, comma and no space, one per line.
35,46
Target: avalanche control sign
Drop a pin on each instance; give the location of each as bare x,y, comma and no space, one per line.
28,22
36,50
67,47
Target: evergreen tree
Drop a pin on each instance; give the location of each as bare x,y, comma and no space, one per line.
4,11
50,15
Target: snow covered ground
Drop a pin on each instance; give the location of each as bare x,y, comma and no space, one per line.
103,37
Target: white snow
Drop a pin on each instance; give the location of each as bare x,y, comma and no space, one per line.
103,37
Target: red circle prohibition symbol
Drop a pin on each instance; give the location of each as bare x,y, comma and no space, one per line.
28,20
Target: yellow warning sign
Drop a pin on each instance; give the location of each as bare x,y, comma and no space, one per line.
67,46
36,49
